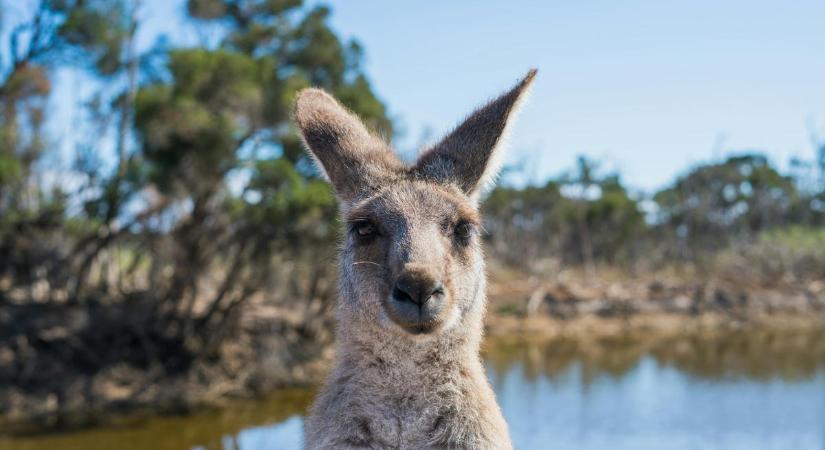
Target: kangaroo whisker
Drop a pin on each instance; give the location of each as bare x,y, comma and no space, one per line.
366,262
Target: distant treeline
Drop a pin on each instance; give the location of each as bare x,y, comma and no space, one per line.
741,206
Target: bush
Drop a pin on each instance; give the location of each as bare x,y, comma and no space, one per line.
792,254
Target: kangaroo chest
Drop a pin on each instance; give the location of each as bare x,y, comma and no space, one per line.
411,405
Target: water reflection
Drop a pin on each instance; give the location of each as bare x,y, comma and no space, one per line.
757,355
274,422
741,390
734,391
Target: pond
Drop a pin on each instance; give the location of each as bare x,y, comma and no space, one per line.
744,390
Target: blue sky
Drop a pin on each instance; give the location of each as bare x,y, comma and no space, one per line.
648,88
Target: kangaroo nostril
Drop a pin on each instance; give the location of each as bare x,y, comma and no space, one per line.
402,295
433,290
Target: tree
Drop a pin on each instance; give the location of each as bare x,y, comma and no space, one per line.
525,225
579,218
221,115
217,202
615,222
57,32
714,202
583,183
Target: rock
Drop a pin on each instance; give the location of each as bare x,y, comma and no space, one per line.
681,304
6,356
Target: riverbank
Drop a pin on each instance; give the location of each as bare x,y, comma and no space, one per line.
64,367
73,366
575,303
548,382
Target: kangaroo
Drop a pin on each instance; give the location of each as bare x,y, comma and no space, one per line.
407,371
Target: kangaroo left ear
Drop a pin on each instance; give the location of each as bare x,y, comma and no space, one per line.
471,156
354,160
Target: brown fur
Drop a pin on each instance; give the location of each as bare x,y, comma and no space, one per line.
398,382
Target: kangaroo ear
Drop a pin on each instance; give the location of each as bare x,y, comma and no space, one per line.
472,154
353,160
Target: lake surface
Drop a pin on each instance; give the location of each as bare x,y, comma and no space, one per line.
732,391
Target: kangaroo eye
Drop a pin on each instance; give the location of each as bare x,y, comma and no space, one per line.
463,231
364,229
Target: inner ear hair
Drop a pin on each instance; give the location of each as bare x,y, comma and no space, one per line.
353,159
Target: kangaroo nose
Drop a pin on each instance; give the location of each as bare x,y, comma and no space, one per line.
416,287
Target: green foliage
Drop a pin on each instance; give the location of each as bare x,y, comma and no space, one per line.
292,210
306,51
579,218
212,187
9,170
99,27
59,31
741,195
796,239
192,127
615,222
23,97
587,218
525,224
791,254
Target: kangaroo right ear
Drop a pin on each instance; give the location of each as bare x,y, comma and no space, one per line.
471,155
353,160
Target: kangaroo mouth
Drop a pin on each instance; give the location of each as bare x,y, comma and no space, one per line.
423,328
416,319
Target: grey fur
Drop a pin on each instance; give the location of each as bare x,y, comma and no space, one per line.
391,388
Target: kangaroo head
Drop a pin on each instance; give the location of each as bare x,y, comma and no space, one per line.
411,258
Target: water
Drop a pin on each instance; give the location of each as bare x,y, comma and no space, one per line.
733,391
